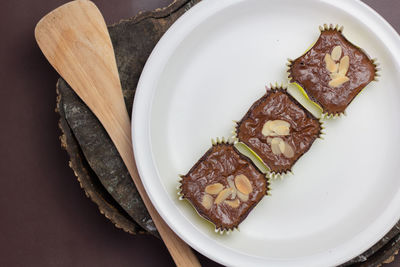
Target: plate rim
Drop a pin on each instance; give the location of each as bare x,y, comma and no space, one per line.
161,199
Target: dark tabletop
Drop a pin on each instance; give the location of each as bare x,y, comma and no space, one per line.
46,219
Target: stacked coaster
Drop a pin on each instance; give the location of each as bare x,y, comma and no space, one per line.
225,185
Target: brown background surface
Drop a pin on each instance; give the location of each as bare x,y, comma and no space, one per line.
45,218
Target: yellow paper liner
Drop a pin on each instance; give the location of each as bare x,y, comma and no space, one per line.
256,159
327,115
181,196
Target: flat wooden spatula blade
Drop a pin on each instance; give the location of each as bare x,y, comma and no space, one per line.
75,40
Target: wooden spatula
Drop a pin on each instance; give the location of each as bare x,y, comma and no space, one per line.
75,40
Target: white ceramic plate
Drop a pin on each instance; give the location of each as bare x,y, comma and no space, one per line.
208,69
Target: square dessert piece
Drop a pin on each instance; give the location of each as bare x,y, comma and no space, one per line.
278,130
224,186
333,71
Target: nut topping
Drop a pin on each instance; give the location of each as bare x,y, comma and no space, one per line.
282,146
330,64
277,123
344,65
224,194
242,197
214,189
232,185
207,201
275,145
279,146
336,52
233,203
239,189
288,151
276,128
266,131
338,81
282,130
243,184
339,70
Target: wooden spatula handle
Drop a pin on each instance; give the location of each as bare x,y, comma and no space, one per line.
75,40
180,251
